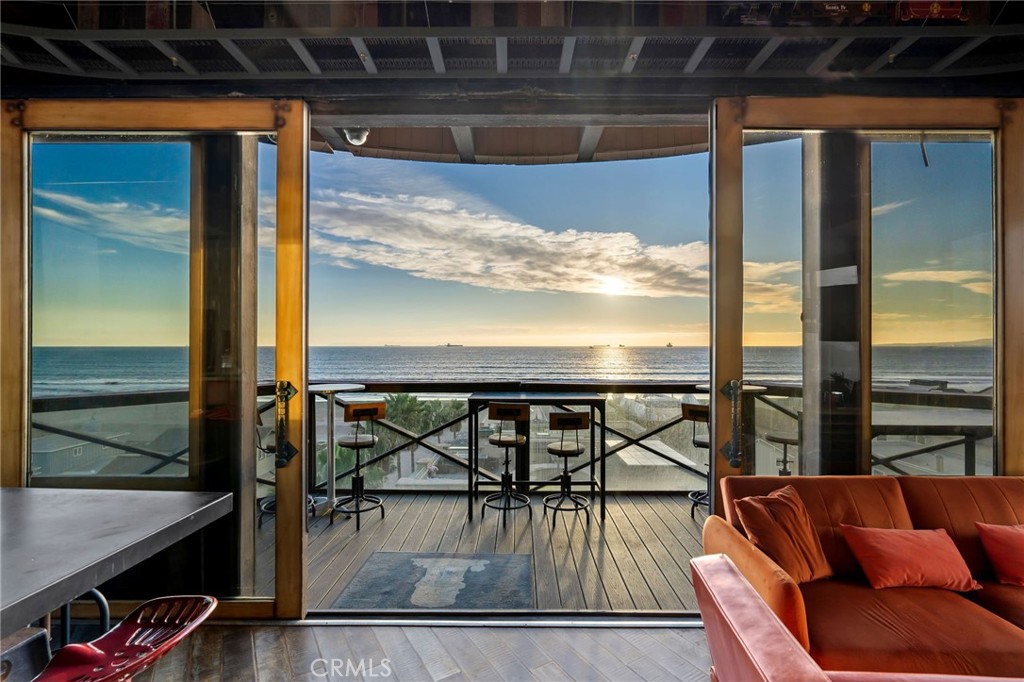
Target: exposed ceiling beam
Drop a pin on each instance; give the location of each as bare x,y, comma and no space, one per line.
60,55
110,57
956,54
434,45
501,53
236,52
331,136
828,56
889,55
464,143
568,47
364,54
175,58
9,55
633,54
764,55
589,139
698,54
307,59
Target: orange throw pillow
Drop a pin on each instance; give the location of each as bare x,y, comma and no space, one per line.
779,525
909,558
1004,546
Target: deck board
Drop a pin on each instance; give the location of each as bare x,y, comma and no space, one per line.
636,560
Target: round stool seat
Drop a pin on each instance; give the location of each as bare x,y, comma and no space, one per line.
354,441
782,438
506,440
565,449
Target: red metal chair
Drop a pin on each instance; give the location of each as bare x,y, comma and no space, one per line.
134,644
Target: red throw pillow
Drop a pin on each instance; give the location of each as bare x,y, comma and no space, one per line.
1004,546
778,523
909,558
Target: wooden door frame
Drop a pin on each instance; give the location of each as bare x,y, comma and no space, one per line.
289,120
1003,117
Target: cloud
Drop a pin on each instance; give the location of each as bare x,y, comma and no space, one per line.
975,281
889,208
432,229
984,288
443,240
150,226
889,316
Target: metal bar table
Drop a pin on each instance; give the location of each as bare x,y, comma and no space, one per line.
595,401
328,391
59,543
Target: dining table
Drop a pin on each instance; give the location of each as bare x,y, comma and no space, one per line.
58,543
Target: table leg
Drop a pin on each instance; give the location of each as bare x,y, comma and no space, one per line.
604,460
331,473
970,453
470,454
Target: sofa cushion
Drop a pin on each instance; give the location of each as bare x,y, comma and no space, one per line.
1006,601
956,502
869,501
780,527
908,629
892,557
1004,547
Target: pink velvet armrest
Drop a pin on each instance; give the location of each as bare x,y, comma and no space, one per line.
747,641
778,590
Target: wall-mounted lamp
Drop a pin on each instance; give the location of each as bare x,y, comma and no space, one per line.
356,136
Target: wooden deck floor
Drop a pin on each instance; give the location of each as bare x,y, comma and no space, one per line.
637,560
247,653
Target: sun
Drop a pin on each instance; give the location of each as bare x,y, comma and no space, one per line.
612,286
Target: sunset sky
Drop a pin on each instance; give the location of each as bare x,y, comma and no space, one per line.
417,253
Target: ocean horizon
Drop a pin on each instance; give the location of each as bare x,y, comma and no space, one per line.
78,370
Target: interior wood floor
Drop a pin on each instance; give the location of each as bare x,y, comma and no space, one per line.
637,560
250,653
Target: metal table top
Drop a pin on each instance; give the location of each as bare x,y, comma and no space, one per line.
336,388
57,543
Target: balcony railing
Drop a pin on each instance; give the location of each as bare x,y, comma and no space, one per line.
424,444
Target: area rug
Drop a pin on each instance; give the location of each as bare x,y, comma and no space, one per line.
424,580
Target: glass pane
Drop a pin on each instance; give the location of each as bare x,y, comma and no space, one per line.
110,307
772,329
932,326
868,255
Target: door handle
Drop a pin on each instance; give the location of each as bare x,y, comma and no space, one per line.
285,450
733,450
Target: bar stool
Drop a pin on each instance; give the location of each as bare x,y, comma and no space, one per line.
507,499
698,414
565,500
785,440
365,416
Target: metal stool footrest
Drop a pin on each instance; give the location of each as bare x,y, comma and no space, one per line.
361,501
506,500
697,497
566,502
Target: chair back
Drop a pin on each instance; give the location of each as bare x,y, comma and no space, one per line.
568,421
696,413
508,412
362,412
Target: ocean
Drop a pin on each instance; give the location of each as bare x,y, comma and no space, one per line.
94,370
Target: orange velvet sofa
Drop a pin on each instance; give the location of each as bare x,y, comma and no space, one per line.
842,622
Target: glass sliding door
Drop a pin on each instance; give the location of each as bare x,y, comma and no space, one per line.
137,351
866,341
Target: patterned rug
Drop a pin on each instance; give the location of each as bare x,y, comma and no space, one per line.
424,580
